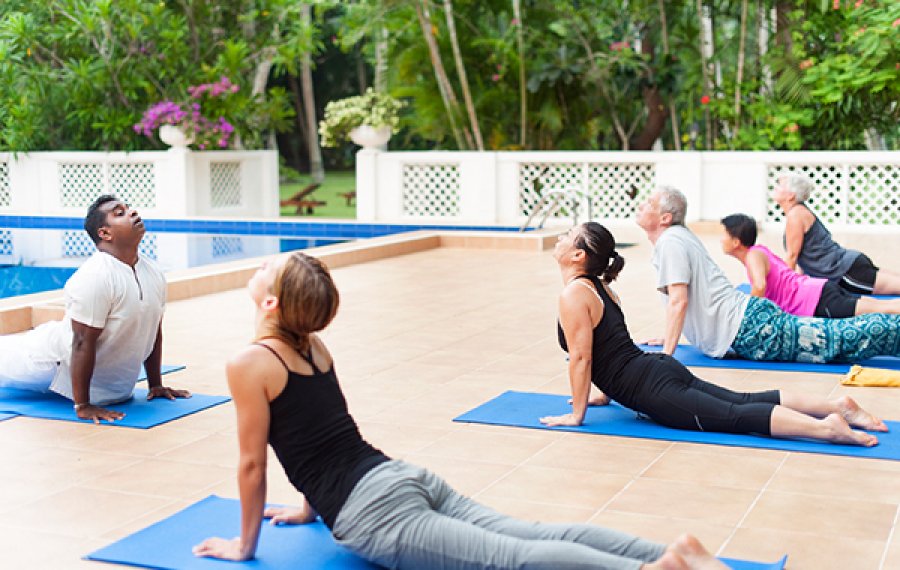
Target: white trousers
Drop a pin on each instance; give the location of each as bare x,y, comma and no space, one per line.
19,369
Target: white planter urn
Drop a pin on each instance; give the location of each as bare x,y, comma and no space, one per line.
175,137
370,137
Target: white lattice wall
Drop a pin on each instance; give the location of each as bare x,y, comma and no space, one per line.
610,185
6,243
134,183
855,194
77,243
224,184
81,183
431,190
226,246
5,194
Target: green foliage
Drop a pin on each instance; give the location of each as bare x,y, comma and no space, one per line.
78,74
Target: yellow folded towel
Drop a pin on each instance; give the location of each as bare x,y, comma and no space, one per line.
859,376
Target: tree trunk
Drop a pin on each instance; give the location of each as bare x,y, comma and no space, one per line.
381,47
316,168
783,25
704,67
523,91
740,69
656,108
673,114
461,71
446,90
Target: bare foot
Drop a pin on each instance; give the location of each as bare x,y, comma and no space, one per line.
858,417
669,561
842,433
697,557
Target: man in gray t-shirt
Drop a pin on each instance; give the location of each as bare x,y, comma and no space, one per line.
716,317
700,301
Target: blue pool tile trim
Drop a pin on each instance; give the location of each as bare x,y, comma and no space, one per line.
245,227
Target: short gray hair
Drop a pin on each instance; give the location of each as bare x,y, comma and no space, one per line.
801,186
672,201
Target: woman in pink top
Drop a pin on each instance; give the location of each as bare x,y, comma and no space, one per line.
800,295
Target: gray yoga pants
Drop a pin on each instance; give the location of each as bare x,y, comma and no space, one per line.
403,516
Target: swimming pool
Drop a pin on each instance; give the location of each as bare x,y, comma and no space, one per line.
40,253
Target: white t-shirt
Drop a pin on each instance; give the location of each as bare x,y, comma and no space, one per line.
127,304
715,308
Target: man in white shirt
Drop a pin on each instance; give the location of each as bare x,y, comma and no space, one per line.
113,324
716,317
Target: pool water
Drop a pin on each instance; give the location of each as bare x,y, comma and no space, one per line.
40,252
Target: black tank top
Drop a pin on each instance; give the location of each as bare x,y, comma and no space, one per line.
317,441
612,350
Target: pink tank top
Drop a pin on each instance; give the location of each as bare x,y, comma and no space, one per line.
795,294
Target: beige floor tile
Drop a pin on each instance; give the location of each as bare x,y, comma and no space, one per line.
535,511
564,486
468,477
596,455
719,505
85,512
839,481
750,471
823,515
161,478
806,551
503,448
664,529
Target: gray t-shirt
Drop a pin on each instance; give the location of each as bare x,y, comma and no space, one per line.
715,308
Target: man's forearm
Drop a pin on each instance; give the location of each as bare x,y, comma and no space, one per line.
675,313
81,371
153,363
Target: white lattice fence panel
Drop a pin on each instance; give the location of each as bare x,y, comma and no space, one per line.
874,194
224,184
135,184
5,194
617,188
431,190
537,178
6,243
828,200
80,183
226,246
77,243
148,247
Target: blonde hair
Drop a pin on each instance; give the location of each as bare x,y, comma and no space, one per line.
307,299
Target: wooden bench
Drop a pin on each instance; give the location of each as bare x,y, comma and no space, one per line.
303,201
349,196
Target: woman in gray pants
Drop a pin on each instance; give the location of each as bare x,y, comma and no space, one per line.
286,394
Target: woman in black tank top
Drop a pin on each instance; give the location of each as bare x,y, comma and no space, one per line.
286,394
601,352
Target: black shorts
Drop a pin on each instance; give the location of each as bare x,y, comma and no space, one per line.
860,278
836,302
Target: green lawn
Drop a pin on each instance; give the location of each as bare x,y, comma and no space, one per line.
335,205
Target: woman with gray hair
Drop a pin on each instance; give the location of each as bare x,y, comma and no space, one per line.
809,244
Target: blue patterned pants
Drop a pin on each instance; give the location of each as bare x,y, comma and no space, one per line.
768,333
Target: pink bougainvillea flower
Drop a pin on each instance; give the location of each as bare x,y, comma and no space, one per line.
792,128
495,77
806,64
514,22
704,100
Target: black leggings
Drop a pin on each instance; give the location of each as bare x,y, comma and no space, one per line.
673,397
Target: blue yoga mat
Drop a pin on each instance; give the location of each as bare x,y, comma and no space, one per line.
139,413
307,546
165,369
691,356
522,409
745,288
6,416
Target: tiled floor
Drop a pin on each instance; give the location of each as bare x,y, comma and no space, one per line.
419,339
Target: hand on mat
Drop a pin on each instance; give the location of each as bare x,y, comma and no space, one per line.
96,413
565,420
166,392
289,515
221,548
